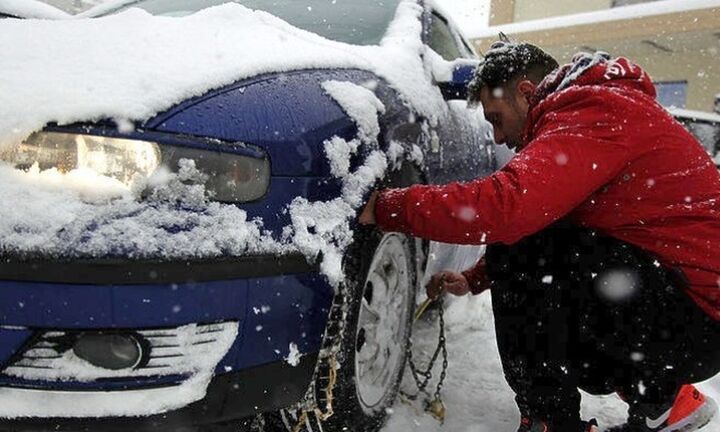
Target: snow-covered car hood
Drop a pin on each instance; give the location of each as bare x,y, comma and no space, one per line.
133,65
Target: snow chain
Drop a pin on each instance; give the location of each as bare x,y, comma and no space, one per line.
322,416
435,406
327,363
332,347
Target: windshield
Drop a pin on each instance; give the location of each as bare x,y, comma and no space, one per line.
359,22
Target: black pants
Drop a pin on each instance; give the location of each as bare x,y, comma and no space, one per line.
574,309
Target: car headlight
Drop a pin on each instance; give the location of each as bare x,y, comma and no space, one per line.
232,177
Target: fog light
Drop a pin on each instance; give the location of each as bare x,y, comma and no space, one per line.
109,351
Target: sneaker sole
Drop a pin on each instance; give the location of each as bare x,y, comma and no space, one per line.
698,419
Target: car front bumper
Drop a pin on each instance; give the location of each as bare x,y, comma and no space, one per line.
277,304
230,398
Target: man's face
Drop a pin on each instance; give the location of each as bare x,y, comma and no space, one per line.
506,109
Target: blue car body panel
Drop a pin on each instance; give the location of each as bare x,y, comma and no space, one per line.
273,312
289,115
11,339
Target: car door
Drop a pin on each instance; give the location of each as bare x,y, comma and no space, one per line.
461,146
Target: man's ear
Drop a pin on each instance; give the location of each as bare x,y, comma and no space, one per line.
526,88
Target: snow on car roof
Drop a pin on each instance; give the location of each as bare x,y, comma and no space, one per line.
614,14
31,9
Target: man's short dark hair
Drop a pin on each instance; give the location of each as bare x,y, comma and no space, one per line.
505,62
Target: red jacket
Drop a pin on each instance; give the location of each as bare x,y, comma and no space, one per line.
602,153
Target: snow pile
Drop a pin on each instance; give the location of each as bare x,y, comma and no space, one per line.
132,65
323,228
294,355
31,9
395,153
20,403
339,152
358,184
84,214
416,155
361,104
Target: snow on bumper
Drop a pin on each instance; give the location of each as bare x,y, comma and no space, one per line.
193,351
20,403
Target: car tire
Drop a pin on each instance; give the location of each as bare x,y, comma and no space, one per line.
351,410
379,267
381,281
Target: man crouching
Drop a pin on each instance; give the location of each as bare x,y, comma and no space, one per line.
602,237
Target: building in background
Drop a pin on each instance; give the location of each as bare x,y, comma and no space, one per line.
676,41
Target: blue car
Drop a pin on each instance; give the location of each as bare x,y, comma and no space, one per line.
128,341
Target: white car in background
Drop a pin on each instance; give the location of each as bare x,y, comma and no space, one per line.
704,126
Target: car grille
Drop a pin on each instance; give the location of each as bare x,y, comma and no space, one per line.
182,350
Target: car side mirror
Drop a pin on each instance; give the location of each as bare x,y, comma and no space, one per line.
453,82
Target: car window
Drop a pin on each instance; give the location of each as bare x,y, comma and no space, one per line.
355,22
469,52
442,40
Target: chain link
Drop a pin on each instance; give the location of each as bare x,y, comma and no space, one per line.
443,345
334,332
422,377
333,338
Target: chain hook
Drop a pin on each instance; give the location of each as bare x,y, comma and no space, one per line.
435,407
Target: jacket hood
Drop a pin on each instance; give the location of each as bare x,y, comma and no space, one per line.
595,69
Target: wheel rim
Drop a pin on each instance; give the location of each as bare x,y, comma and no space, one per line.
382,321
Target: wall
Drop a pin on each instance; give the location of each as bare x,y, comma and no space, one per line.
679,46
526,10
700,69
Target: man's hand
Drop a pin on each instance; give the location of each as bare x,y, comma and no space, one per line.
454,283
367,217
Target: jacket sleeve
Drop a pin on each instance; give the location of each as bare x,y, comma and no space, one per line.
556,172
477,277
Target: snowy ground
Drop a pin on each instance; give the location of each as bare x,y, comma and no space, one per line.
476,395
